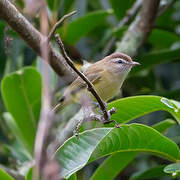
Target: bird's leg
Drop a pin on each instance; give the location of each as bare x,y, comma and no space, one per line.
116,124
110,112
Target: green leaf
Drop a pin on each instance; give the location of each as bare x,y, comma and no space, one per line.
162,39
73,177
29,174
164,125
151,173
114,164
139,138
136,106
173,169
75,152
111,167
21,93
120,7
151,59
78,28
97,143
4,175
165,21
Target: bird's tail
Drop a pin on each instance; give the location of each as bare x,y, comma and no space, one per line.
58,105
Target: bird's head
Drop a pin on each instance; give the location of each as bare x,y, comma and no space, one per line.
119,63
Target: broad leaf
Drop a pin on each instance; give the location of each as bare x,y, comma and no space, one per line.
21,93
111,167
75,152
97,143
164,125
115,163
29,174
78,28
4,175
136,106
73,177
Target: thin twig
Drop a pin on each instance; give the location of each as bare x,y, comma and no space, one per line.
59,22
45,168
164,8
84,78
130,13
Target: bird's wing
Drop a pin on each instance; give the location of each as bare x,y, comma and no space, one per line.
93,74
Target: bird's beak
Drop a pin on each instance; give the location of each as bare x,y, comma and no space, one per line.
134,63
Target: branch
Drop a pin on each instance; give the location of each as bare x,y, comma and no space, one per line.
129,14
33,37
140,29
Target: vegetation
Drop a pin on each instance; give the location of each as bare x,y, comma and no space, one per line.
148,105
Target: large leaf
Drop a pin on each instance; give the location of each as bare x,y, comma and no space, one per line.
78,28
97,143
136,106
115,163
111,167
21,92
139,138
75,153
18,148
4,175
164,125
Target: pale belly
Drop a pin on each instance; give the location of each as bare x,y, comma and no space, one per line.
106,89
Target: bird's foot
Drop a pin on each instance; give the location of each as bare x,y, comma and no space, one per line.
115,123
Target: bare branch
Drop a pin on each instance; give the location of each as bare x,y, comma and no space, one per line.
33,37
59,22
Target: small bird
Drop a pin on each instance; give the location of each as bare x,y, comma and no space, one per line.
107,76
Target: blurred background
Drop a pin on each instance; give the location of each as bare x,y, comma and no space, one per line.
86,36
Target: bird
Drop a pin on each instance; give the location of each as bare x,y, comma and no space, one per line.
107,76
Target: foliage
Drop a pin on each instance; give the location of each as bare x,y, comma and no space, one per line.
150,118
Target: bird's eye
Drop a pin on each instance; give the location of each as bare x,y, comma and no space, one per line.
119,61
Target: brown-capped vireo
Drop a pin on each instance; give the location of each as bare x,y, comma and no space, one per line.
107,76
